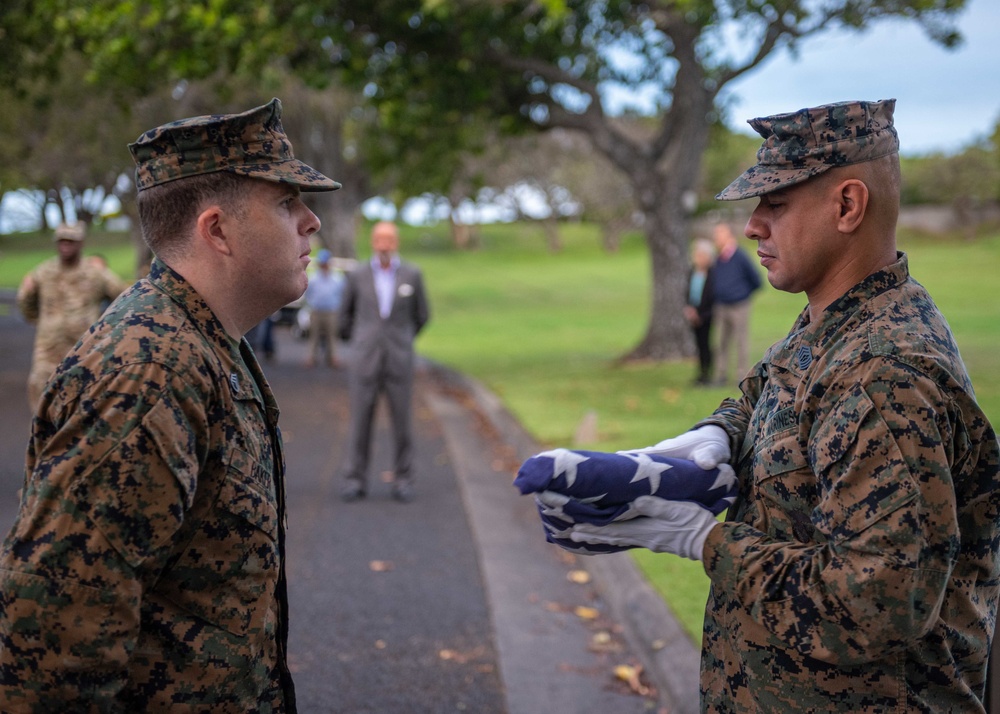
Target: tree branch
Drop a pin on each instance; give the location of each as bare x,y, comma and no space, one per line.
550,73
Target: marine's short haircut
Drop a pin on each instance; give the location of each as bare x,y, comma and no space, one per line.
167,212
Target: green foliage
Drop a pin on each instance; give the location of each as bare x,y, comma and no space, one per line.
971,176
445,75
728,154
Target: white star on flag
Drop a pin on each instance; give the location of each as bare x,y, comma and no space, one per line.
565,462
726,477
649,469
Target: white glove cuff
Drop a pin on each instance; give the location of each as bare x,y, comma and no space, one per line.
698,538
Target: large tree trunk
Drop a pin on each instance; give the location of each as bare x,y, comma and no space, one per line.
668,335
662,168
660,190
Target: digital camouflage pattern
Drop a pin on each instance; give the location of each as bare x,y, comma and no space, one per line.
252,143
858,569
64,301
145,570
810,141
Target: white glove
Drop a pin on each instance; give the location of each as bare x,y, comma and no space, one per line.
678,527
707,446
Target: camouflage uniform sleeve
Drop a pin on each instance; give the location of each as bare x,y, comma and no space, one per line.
871,575
733,415
107,492
27,297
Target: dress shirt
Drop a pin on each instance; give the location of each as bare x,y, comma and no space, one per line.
385,284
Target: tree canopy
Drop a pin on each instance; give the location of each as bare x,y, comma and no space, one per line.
441,74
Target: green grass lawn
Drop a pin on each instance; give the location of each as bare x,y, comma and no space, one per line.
543,331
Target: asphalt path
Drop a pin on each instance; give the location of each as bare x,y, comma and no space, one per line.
450,603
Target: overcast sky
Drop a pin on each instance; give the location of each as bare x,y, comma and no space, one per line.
945,99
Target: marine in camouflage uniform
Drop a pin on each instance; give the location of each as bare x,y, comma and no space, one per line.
858,571
146,569
858,568
64,298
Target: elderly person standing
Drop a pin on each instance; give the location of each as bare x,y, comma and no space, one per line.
698,310
64,296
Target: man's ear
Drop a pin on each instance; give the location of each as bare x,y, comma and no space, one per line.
852,196
212,229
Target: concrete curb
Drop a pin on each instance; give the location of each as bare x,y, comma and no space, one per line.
670,659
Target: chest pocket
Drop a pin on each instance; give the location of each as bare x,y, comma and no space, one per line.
787,488
783,485
228,573
861,467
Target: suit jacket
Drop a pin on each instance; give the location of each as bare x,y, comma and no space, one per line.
383,346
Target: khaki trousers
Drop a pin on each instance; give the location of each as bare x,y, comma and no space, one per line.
322,335
732,325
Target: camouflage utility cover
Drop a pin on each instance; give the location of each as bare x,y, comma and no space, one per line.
64,301
250,144
808,142
145,570
66,231
858,570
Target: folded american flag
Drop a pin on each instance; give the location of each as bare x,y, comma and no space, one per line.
596,487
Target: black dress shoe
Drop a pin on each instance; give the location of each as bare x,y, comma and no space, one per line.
352,491
402,492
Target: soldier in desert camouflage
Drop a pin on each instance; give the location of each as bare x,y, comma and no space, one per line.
64,295
146,569
858,569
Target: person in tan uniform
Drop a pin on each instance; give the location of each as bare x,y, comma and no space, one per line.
145,571
64,296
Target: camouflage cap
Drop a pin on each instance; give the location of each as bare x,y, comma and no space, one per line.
250,144
805,143
70,231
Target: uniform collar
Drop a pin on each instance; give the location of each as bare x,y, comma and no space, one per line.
236,359
808,339
177,288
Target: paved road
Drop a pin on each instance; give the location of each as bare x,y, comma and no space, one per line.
452,603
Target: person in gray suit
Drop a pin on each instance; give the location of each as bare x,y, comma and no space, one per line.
384,307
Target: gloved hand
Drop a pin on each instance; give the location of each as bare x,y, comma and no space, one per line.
707,446
678,527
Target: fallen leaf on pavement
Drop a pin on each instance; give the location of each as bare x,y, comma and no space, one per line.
602,642
630,675
380,566
580,577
